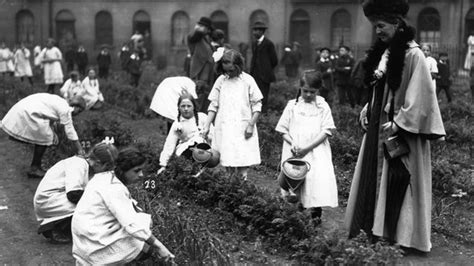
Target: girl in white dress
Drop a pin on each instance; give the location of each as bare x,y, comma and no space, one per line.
22,63
51,58
306,124
431,62
185,132
72,87
91,92
235,105
62,187
6,60
108,228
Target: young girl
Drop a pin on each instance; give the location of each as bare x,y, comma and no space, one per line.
306,124
91,93
71,87
185,131
51,58
236,103
431,62
108,228
62,187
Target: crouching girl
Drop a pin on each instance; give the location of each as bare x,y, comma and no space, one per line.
185,132
62,187
306,124
107,226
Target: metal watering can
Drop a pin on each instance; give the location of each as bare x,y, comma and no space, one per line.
203,153
292,176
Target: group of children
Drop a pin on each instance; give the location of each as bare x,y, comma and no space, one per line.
233,112
440,71
88,89
17,62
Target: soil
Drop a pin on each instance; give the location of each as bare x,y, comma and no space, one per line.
21,245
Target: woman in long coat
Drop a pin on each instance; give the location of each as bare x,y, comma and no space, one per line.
403,104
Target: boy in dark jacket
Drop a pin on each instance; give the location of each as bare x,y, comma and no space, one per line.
82,60
325,65
444,76
104,60
343,68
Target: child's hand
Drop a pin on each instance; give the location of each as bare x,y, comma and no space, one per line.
205,132
249,131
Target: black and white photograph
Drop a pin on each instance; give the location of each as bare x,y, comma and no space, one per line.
244,132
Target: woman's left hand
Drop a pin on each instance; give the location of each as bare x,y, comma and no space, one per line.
249,131
391,127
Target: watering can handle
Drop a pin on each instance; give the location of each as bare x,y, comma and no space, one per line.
309,165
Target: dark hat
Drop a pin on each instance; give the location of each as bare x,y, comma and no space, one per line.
206,22
324,49
443,54
259,25
392,8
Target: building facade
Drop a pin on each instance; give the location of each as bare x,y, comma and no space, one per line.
445,24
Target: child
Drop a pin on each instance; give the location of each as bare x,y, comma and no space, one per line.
91,93
71,87
236,103
185,131
22,63
306,124
432,65
62,187
108,228
444,77
167,95
104,59
51,58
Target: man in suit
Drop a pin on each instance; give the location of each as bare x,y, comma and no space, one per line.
264,60
202,63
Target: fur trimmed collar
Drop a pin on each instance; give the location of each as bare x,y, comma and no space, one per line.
401,42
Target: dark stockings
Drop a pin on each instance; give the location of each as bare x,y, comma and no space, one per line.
51,88
38,156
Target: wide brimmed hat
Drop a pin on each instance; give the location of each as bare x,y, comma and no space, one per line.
259,25
206,22
384,8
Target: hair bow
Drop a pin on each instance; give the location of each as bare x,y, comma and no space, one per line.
217,55
108,140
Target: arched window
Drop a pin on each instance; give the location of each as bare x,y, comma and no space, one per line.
25,27
340,28
221,21
104,28
300,31
180,28
65,29
429,26
258,15
141,22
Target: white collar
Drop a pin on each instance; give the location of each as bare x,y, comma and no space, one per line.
260,40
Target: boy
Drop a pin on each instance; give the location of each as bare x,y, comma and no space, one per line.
444,75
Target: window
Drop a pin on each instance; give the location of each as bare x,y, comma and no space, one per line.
429,25
180,28
469,24
141,22
258,15
300,32
65,29
25,27
220,21
340,28
104,28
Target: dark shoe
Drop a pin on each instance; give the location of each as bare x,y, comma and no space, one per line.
316,221
36,173
57,237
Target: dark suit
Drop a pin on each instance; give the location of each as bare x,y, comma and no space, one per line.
201,64
264,60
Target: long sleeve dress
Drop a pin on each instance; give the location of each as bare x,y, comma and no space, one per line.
235,100
91,92
417,114
6,63
50,201
22,63
31,118
107,226
70,89
183,134
53,73
304,122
